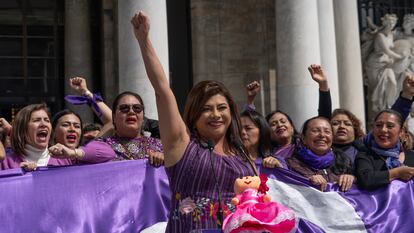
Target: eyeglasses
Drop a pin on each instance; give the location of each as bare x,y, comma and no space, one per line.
125,108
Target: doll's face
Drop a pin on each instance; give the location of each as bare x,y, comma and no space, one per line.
246,182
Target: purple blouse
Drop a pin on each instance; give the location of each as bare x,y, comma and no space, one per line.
117,148
13,160
193,186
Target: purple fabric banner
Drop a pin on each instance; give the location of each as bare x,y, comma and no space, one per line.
388,209
122,196
129,196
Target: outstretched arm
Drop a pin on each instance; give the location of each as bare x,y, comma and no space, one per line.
174,134
78,84
325,102
405,99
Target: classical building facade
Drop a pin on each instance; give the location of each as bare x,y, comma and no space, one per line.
45,42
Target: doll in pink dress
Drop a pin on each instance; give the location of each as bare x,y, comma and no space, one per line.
255,212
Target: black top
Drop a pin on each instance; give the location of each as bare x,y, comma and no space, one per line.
325,104
371,171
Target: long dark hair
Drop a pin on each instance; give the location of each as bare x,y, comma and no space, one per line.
196,99
265,146
295,135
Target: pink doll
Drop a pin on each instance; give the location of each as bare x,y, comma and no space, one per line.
254,210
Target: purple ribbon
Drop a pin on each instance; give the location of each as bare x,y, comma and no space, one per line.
80,100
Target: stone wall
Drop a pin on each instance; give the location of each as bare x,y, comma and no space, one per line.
234,42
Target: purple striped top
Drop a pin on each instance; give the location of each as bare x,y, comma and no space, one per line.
192,183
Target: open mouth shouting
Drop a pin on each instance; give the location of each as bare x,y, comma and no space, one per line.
42,136
71,138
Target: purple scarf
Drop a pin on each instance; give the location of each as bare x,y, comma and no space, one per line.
79,100
316,162
391,154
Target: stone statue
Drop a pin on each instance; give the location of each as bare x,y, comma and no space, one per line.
404,45
381,79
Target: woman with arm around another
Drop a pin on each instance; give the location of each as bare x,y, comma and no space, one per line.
384,159
201,179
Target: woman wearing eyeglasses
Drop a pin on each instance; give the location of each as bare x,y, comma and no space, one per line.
128,141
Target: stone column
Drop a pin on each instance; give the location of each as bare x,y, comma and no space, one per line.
351,93
78,60
328,47
131,70
297,46
109,77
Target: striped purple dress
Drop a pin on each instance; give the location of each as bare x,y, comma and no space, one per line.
195,198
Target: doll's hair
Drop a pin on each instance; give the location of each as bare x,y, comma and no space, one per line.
263,187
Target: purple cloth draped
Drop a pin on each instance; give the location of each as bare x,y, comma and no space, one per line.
124,196
129,196
79,100
388,209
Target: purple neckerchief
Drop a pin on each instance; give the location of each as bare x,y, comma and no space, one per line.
316,162
392,154
79,100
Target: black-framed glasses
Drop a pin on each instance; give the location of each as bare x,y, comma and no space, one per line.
125,108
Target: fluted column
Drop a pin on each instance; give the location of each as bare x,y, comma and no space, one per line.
349,57
131,70
297,46
78,60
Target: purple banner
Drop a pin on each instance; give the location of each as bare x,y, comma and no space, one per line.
129,196
387,209
122,196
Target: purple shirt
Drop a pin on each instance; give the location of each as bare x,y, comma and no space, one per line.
194,188
13,160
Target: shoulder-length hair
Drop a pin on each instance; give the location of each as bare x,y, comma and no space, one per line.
265,145
19,135
356,123
197,98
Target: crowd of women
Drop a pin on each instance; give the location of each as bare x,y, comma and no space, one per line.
211,145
